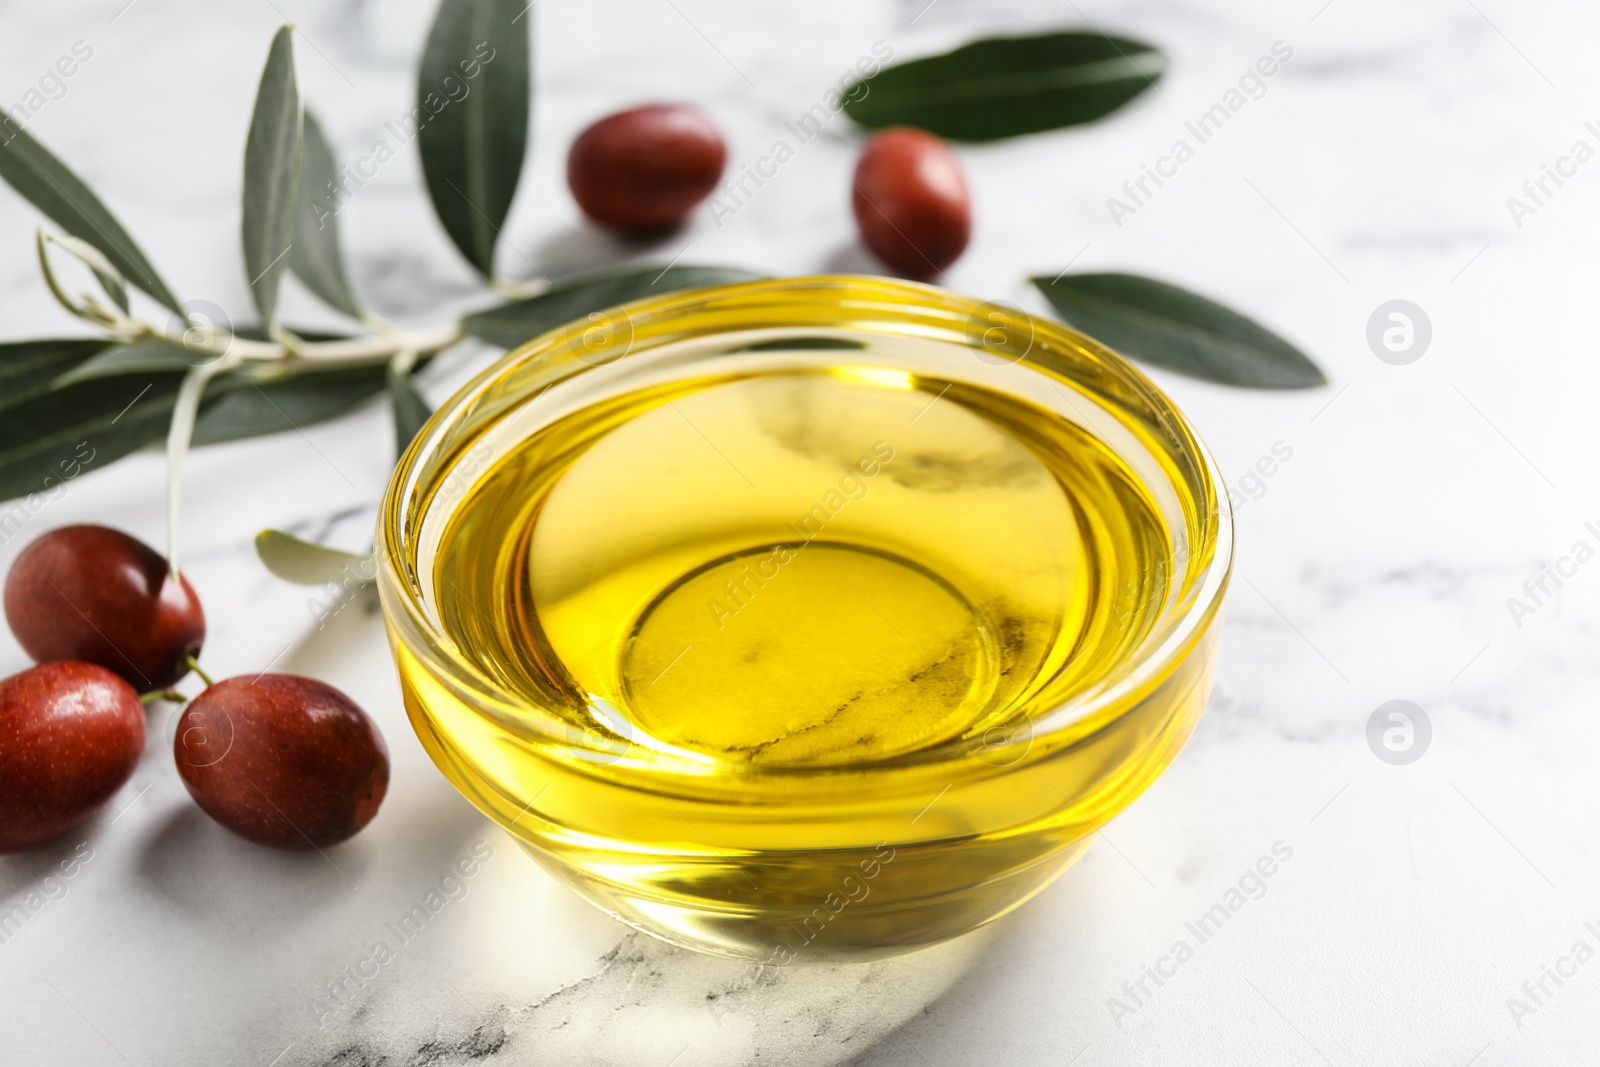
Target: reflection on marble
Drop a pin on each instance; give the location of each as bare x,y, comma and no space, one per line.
1375,565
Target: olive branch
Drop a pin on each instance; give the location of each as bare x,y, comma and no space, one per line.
197,379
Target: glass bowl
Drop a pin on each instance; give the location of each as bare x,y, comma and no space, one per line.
825,856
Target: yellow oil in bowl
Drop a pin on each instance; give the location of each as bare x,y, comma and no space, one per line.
805,619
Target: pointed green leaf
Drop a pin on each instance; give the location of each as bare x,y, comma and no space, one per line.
1008,86
146,357
271,172
1180,330
27,368
105,273
47,183
473,94
49,434
59,434
294,559
509,325
255,332
41,251
245,407
411,408
316,258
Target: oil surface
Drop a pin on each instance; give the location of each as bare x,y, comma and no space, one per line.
801,568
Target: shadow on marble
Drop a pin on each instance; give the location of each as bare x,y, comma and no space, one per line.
1026,947
851,258
583,247
27,872
351,631
193,863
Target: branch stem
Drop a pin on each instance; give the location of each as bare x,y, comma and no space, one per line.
194,665
353,351
184,412
229,351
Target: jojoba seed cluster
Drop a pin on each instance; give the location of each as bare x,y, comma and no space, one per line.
641,171
278,759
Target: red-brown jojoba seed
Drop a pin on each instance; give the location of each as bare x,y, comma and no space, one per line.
70,735
911,203
94,594
643,170
282,760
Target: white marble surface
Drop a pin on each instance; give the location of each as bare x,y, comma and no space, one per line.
1375,565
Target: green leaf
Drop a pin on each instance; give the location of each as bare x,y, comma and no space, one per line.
50,431
473,94
146,357
1180,330
47,184
294,559
509,325
271,173
27,368
248,408
60,434
316,257
411,408
255,332
105,273
1008,86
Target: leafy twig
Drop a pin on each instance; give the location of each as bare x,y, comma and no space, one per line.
472,153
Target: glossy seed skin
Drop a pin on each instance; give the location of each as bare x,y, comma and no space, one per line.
911,202
282,760
642,171
70,736
97,595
